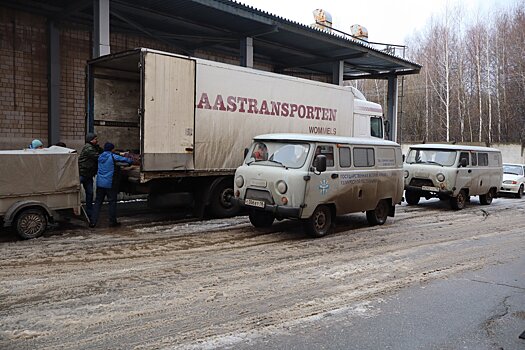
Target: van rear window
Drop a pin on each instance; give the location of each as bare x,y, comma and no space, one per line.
364,157
483,159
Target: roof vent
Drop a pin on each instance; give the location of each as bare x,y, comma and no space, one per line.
359,32
323,20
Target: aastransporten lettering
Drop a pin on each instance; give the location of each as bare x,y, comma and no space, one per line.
277,108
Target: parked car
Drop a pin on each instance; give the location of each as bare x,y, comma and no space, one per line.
313,178
513,180
37,187
452,172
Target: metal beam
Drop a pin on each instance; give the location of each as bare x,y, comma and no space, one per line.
149,33
392,106
53,84
101,45
337,72
326,59
246,52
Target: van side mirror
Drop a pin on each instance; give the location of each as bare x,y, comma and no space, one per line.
246,150
320,163
463,163
404,158
387,129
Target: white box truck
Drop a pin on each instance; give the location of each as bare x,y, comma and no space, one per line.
190,119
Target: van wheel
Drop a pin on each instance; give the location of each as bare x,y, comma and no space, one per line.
261,219
458,202
486,199
220,204
520,192
412,197
30,223
320,223
379,214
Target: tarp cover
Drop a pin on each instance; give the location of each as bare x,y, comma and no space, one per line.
36,171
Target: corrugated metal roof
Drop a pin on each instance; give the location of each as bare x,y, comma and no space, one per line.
219,25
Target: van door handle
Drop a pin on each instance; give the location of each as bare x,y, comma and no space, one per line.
335,176
469,171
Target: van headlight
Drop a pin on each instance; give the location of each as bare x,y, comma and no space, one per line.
281,186
440,177
239,181
405,173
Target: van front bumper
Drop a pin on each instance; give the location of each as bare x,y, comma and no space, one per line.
280,211
424,191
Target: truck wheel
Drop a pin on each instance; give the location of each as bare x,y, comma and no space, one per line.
486,199
412,197
261,219
458,202
30,223
379,214
220,204
320,223
520,192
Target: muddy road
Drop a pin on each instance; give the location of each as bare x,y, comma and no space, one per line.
205,284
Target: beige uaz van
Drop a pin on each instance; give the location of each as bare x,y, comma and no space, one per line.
314,178
452,172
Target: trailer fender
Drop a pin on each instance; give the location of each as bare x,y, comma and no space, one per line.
11,213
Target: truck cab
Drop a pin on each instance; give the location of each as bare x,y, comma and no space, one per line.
314,178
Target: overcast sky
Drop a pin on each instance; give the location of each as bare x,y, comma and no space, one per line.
387,21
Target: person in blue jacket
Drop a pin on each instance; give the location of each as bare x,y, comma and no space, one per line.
107,184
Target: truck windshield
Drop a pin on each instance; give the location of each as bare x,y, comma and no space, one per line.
431,156
288,155
512,169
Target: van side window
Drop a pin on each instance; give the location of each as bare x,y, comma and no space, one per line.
483,159
464,155
474,158
363,157
327,151
344,157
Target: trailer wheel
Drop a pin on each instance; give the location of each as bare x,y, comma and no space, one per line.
220,204
261,219
458,202
379,215
30,223
320,223
412,197
486,199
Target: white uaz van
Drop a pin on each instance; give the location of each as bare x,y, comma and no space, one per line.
314,178
452,172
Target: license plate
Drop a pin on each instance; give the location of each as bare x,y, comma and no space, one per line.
254,203
430,188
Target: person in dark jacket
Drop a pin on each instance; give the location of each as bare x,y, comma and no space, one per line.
107,184
87,168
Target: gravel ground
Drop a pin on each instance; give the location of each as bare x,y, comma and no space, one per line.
158,283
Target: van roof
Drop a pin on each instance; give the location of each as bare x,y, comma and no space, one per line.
455,147
326,138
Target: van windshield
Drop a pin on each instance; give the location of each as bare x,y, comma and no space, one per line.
287,155
431,156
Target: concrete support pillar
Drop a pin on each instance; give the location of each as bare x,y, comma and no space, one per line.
53,84
101,28
247,52
337,73
392,107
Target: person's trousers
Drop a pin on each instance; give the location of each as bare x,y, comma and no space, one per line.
87,183
111,194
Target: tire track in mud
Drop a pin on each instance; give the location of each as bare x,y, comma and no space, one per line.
179,284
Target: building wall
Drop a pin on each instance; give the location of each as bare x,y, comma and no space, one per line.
24,46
